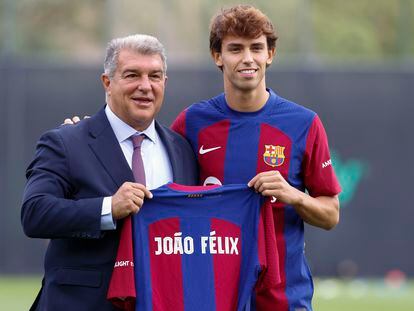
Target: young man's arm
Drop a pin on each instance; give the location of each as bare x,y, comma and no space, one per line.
321,211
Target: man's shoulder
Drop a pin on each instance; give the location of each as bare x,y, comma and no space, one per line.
78,130
70,130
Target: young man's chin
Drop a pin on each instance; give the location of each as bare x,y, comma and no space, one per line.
248,86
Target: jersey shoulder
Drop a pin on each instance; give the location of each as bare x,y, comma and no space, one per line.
280,105
212,106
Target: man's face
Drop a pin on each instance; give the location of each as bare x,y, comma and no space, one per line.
244,62
136,91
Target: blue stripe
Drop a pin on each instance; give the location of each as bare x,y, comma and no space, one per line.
198,271
143,284
249,250
243,141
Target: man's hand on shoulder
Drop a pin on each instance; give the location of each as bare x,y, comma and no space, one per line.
74,120
129,199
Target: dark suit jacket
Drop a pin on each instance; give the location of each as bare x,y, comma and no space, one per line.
73,169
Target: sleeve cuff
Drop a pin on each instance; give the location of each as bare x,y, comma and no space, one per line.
107,222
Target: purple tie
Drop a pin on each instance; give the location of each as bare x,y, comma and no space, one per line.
137,164
126,250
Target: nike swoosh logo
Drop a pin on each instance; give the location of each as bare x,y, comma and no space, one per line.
204,151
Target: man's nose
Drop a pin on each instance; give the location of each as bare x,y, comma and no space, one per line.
144,84
247,57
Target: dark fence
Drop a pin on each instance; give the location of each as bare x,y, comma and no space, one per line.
368,116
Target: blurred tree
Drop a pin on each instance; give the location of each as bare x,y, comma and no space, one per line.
328,30
358,29
59,27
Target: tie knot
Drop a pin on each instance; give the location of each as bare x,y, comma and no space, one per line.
137,140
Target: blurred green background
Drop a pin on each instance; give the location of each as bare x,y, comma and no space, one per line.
327,31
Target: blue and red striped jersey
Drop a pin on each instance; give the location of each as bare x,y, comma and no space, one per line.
196,248
232,147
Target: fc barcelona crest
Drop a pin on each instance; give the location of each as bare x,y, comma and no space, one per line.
274,155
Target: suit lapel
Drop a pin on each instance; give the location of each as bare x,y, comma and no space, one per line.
104,144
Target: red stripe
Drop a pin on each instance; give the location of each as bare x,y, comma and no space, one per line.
319,180
226,266
280,291
179,123
273,136
121,290
166,271
267,248
211,163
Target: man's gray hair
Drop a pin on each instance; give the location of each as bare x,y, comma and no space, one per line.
143,44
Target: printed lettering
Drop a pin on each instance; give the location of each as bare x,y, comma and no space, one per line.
159,244
219,245
204,240
234,249
211,244
168,245
176,245
188,245
326,163
123,263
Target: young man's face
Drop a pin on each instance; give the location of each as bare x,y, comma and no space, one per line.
136,91
244,62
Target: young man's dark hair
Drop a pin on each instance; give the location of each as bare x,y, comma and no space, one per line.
241,21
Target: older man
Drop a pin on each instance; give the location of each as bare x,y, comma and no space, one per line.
80,184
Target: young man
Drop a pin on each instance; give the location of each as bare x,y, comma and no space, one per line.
80,185
249,134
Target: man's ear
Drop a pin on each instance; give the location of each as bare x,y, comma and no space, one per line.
271,54
217,59
106,82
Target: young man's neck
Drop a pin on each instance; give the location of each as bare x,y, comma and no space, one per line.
244,101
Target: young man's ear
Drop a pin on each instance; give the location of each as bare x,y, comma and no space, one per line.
217,59
272,54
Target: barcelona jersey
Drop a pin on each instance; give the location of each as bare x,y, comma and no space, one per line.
197,248
232,147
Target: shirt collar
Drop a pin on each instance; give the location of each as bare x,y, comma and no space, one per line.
124,131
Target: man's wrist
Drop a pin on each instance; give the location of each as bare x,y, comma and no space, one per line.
107,221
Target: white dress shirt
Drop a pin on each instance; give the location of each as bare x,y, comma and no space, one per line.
157,165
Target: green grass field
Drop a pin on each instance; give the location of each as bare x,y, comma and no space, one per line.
17,294
363,295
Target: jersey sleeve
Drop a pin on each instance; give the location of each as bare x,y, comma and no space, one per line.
179,123
269,278
319,175
121,290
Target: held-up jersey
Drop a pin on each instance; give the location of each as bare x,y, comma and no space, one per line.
197,248
232,147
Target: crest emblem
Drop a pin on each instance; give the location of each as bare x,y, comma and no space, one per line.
274,155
